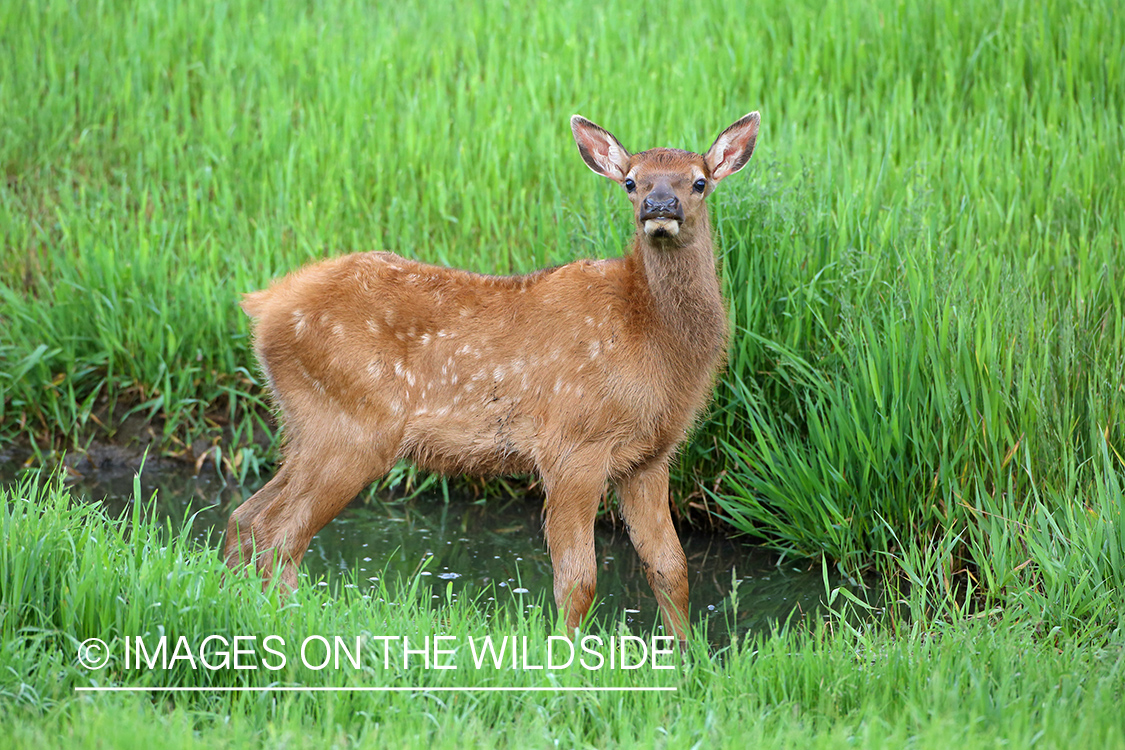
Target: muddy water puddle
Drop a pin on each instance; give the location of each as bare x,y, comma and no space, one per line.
484,551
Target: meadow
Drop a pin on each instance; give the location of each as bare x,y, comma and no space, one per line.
71,573
923,263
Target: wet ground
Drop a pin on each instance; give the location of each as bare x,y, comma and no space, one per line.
482,550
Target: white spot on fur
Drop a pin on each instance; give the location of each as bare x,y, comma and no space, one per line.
298,322
425,339
338,329
595,348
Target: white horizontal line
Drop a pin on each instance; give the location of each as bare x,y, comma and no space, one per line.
323,689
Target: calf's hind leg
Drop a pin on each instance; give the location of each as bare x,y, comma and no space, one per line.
239,547
317,481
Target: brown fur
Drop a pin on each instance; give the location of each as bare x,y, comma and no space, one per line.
588,374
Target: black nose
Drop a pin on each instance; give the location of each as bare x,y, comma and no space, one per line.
660,207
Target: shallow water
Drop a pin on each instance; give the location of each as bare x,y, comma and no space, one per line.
485,550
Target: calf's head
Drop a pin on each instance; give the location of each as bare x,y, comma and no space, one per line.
667,186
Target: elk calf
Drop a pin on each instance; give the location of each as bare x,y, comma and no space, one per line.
586,375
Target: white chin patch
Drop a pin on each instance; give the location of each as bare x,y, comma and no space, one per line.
662,227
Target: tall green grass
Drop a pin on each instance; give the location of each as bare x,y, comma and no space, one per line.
923,260
68,573
932,326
